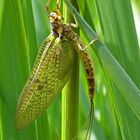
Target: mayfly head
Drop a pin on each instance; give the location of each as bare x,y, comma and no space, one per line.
56,22
55,18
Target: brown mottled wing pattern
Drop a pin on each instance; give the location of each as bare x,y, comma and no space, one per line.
49,75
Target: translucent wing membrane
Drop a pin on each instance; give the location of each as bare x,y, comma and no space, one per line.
49,75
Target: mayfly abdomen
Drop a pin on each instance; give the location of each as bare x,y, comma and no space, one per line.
48,77
87,62
88,66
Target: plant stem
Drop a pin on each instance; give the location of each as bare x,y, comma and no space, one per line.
70,96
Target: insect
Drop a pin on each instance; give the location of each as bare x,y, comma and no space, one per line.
52,69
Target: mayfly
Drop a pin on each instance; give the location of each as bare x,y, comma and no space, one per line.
52,69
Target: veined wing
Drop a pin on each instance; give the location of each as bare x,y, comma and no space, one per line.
48,77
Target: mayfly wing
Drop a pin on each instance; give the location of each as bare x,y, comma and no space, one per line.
49,75
23,109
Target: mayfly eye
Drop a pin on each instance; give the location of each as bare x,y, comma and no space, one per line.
54,15
59,17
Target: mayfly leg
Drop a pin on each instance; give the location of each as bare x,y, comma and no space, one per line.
73,25
47,6
57,5
81,48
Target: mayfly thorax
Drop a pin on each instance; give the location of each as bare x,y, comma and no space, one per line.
51,70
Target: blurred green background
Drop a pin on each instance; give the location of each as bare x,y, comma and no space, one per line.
23,27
